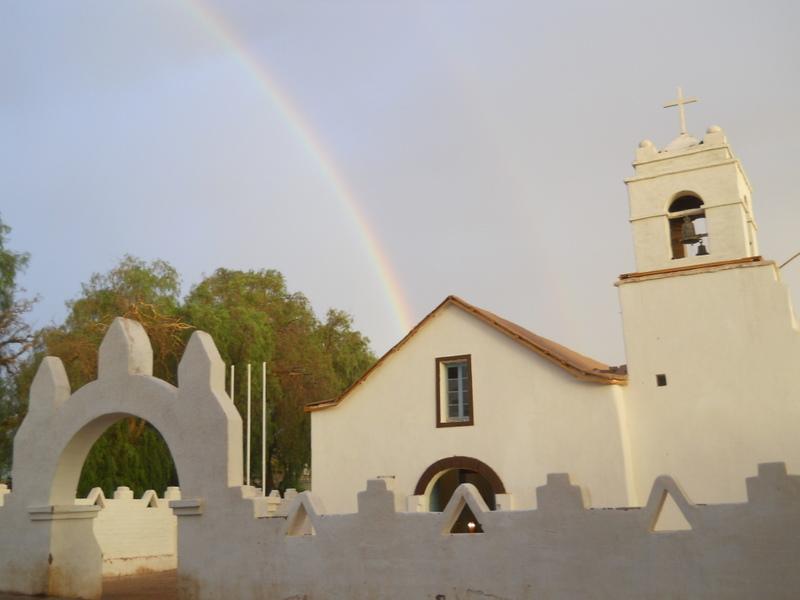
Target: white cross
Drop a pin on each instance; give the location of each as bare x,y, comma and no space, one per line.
679,103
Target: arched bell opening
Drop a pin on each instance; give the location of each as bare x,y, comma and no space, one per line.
688,231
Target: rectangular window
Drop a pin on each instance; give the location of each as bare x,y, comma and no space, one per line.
453,391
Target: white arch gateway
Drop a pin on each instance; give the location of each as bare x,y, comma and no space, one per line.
47,540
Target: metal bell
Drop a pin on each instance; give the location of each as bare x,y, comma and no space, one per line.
702,250
688,234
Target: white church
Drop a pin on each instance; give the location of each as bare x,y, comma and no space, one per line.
711,387
709,394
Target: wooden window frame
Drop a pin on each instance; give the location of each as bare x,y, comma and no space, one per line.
441,363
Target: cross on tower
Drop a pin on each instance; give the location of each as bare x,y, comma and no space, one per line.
679,103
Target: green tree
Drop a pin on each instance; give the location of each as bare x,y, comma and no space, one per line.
348,349
253,318
16,339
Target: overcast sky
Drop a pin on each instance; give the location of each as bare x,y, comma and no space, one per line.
485,144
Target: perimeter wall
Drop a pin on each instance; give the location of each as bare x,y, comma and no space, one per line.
559,550
136,535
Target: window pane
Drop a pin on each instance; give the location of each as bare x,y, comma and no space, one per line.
457,389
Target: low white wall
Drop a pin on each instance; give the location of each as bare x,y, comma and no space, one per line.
135,535
559,550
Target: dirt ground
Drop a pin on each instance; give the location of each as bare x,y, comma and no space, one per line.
160,586
142,587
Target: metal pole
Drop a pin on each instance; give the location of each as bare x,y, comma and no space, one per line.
247,479
263,428
232,372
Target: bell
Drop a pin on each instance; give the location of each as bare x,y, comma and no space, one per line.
688,234
702,250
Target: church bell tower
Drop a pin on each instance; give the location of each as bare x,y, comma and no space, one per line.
711,340
690,202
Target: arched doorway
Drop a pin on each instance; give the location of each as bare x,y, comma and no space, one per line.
441,479
130,475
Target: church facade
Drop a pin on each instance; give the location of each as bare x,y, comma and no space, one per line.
710,388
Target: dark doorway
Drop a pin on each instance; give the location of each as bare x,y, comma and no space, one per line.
447,483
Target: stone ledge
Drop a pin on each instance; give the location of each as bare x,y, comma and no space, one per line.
62,512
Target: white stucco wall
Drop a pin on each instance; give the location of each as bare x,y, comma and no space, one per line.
531,418
136,535
560,550
728,343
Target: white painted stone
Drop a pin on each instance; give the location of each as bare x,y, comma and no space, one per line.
198,423
560,550
125,350
50,387
123,492
134,535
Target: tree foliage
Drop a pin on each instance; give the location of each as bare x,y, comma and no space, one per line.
253,319
15,334
16,339
146,292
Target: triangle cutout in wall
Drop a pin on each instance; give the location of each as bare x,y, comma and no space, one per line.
150,499
670,517
466,522
461,510
299,523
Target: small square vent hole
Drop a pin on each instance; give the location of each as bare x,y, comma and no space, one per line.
661,380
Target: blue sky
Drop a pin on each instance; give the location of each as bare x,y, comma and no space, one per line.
485,142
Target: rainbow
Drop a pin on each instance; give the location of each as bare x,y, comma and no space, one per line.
310,141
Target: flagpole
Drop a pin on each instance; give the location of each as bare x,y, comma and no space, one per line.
247,480
263,428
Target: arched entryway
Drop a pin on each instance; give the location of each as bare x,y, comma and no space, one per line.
129,474
441,479
54,539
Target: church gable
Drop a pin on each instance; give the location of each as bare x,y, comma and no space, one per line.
577,365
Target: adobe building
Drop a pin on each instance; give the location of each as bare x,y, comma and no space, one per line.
710,388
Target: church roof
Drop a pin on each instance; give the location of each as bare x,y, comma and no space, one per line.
579,366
